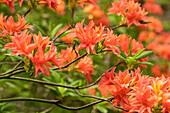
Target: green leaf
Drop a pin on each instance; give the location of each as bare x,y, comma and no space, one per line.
147,63
144,54
138,53
130,46
55,30
2,42
121,52
66,33
102,109
120,56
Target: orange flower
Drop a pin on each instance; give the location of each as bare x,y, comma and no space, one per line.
146,36
21,44
2,20
85,66
66,56
41,59
120,94
108,78
88,36
11,27
135,14
10,4
150,6
51,3
118,7
143,101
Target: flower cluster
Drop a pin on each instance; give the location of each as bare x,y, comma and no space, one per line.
133,12
57,5
10,27
135,92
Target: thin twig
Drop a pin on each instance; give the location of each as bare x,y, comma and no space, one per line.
14,69
72,17
78,108
71,62
27,12
49,109
30,99
89,96
37,81
113,28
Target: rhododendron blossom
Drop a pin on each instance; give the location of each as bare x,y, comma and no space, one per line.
11,27
88,36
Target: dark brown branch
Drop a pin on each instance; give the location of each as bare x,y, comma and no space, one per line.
54,39
72,17
78,108
27,12
29,99
14,69
71,62
90,96
38,81
113,28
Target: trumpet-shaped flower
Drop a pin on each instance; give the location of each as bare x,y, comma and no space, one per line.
85,66
12,27
88,36
21,44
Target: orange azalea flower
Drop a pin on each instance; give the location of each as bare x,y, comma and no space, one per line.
41,59
66,56
123,78
118,7
135,14
21,44
2,20
61,7
159,86
166,103
120,94
82,2
88,36
146,36
150,6
158,71
85,66
108,78
10,4
143,101
11,27
155,25
110,40
40,41
51,3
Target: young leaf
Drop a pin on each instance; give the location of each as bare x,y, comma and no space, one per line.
121,52
55,30
144,54
130,47
120,57
147,63
138,53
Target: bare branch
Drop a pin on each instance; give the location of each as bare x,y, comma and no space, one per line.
30,99
78,108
